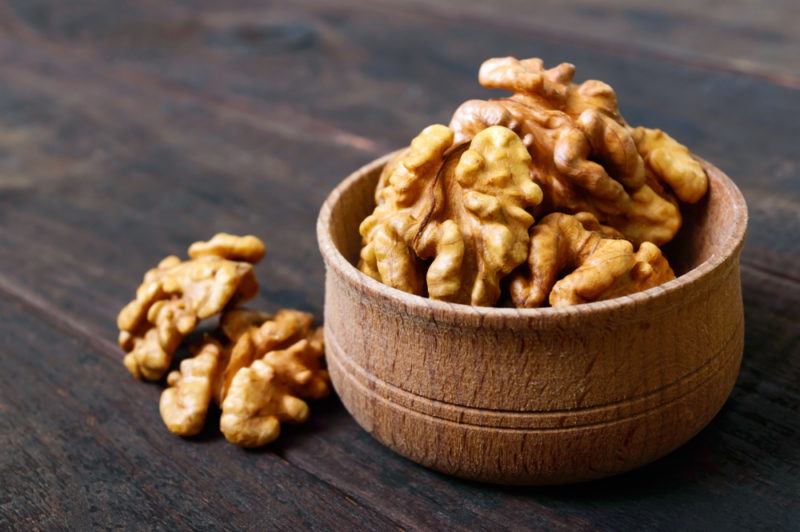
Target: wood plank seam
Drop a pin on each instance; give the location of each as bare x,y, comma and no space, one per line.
748,264
618,48
300,125
55,316
68,325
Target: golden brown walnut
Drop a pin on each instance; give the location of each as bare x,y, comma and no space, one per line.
673,163
269,392
184,404
177,294
598,263
258,372
583,153
242,248
462,207
254,334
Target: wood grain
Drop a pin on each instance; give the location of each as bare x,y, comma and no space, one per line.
129,130
737,36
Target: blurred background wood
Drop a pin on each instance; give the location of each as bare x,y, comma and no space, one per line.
129,129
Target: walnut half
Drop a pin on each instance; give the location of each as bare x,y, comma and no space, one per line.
596,263
176,295
258,368
451,219
583,153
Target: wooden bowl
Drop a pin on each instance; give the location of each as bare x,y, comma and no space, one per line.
537,396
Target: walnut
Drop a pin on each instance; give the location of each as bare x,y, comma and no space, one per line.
176,294
451,219
598,262
258,369
242,248
184,404
673,162
253,334
583,153
268,392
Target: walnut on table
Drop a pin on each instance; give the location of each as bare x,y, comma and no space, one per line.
451,219
176,295
259,369
184,404
271,391
583,153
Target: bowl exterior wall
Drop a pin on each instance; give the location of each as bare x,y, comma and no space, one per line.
569,421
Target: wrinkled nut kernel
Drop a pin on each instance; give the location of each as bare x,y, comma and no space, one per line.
598,263
460,206
254,334
184,404
258,372
583,154
242,248
672,162
177,294
269,392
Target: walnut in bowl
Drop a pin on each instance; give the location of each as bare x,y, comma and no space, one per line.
541,395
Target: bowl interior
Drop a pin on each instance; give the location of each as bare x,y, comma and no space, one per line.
711,228
356,203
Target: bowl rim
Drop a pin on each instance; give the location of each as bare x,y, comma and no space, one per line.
335,260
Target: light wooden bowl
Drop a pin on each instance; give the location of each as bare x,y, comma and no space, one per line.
537,396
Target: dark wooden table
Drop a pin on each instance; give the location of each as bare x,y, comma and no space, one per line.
129,129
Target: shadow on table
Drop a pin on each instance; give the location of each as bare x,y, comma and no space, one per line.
672,472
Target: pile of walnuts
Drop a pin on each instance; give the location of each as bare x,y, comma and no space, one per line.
257,367
544,197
